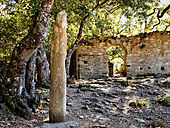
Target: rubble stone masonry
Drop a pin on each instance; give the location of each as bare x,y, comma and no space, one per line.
145,53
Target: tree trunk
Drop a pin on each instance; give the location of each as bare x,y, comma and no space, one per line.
68,59
57,108
42,68
79,37
38,62
30,81
17,96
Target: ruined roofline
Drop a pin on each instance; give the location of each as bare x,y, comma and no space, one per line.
89,42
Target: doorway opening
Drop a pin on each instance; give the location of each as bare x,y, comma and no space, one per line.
116,61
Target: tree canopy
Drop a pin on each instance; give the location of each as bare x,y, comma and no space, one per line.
16,18
111,18
86,19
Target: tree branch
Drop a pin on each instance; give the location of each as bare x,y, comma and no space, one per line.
157,23
166,27
79,36
114,9
152,12
163,12
161,15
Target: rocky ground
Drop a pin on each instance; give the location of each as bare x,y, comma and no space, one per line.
109,103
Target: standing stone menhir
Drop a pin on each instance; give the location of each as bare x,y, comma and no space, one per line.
57,107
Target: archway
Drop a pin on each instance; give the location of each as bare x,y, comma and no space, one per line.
116,60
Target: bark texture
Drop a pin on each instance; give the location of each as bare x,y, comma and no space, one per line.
30,81
18,97
67,62
42,67
57,108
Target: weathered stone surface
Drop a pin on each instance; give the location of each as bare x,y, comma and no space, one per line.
164,82
99,110
153,58
159,75
68,124
140,120
99,126
86,107
93,99
57,108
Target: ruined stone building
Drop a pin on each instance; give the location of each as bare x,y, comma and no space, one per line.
147,53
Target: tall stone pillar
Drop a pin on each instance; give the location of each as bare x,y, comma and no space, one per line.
57,107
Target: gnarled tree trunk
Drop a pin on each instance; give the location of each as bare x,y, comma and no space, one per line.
57,108
17,96
38,63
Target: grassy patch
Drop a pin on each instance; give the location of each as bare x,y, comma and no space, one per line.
138,103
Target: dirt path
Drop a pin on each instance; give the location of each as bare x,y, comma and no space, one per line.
111,103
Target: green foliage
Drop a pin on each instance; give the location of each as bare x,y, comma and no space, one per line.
114,18
46,43
165,101
118,65
5,108
15,19
137,102
84,84
116,56
115,52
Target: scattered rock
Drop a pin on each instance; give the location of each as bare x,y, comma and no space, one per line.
70,104
105,102
99,105
140,120
73,85
99,126
95,94
140,77
136,81
68,124
149,117
164,82
101,82
109,94
115,113
164,101
118,92
159,75
93,99
86,107
86,102
156,124
99,110
124,83
81,117
107,106
84,89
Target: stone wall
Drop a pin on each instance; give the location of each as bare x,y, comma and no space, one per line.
146,53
